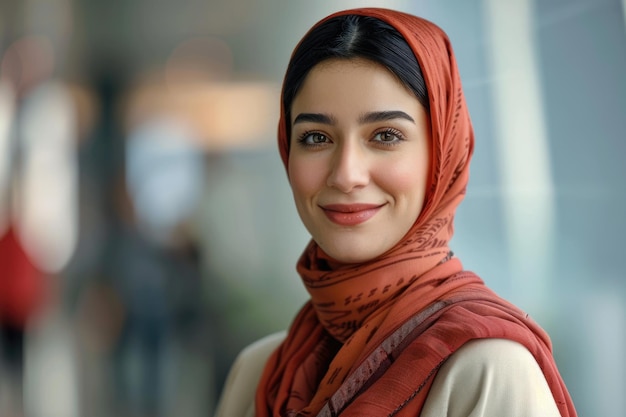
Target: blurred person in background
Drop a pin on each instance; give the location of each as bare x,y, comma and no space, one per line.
38,207
137,272
150,270
376,139
136,285
159,261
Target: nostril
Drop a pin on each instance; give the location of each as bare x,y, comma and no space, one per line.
347,176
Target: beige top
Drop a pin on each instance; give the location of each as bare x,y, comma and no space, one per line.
485,378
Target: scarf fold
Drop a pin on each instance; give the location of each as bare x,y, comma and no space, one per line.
373,335
422,344
398,355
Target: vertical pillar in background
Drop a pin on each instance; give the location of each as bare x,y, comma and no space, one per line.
48,223
522,149
624,11
6,117
44,179
604,324
48,198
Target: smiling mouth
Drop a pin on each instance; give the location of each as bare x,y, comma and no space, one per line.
350,214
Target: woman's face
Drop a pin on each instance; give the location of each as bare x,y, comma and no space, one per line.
359,158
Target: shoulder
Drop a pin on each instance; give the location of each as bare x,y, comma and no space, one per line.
490,377
262,348
237,398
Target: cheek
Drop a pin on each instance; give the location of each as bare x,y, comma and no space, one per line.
406,178
305,177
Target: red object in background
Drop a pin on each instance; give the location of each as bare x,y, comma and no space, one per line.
22,284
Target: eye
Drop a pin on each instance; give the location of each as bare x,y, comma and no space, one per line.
388,137
313,139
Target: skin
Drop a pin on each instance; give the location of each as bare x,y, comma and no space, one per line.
358,136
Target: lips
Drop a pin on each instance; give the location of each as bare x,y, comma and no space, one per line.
350,214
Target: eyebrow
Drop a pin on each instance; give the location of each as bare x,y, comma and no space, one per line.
370,117
379,116
315,118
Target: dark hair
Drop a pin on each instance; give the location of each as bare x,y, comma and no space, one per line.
353,36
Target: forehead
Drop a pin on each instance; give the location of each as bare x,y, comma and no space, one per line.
349,67
336,83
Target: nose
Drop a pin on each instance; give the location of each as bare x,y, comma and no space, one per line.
349,168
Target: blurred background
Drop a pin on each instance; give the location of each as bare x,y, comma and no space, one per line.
147,231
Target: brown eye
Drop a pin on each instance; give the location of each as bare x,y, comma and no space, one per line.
313,139
388,137
318,138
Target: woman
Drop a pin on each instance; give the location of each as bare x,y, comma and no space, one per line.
376,139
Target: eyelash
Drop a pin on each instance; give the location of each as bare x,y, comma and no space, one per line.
303,137
393,132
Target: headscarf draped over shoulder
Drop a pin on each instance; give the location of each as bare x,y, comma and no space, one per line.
348,351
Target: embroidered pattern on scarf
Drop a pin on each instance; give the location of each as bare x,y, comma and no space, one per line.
337,358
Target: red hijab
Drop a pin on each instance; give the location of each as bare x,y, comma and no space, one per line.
373,335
